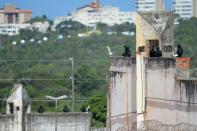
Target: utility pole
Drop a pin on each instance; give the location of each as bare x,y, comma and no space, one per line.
73,84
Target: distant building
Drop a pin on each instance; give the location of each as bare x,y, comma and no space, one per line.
150,5
13,29
59,20
13,19
194,8
41,26
93,13
160,5
183,8
108,15
9,14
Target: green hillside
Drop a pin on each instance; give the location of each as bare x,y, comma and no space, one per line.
90,65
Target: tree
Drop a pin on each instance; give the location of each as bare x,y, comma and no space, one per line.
103,27
86,80
70,27
124,27
98,108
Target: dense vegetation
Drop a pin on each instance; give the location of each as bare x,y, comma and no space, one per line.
185,35
90,65
90,62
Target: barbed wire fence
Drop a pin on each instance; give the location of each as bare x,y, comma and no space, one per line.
154,125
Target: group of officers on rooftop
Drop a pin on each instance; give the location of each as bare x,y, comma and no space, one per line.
154,51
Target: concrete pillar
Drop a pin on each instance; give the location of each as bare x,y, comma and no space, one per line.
160,5
18,97
194,10
140,90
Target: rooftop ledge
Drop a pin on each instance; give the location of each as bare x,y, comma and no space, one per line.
59,114
119,61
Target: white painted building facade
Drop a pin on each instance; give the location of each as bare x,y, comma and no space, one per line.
12,29
145,5
150,5
89,17
184,8
41,26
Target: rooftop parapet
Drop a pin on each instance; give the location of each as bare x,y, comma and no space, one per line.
60,114
159,62
122,64
122,61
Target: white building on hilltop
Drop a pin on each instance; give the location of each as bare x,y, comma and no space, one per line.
12,19
150,5
185,8
108,15
41,26
13,29
93,13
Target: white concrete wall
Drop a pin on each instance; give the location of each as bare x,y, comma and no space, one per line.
65,122
6,122
160,78
169,100
122,93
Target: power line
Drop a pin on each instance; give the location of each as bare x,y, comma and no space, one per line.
45,100
7,60
60,79
45,60
69,99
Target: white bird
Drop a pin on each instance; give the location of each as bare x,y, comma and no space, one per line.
87,109
175,55
109,51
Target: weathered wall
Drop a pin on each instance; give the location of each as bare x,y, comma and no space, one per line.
122,93
155,26
153,29
169,100
6,122
160,77
65,122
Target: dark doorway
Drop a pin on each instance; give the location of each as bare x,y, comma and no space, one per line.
11,105
153,46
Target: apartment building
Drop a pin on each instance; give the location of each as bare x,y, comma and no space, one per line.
150,5
9,14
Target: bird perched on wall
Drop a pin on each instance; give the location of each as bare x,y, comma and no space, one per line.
40,109
127,52
65,109
88,109
109,51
